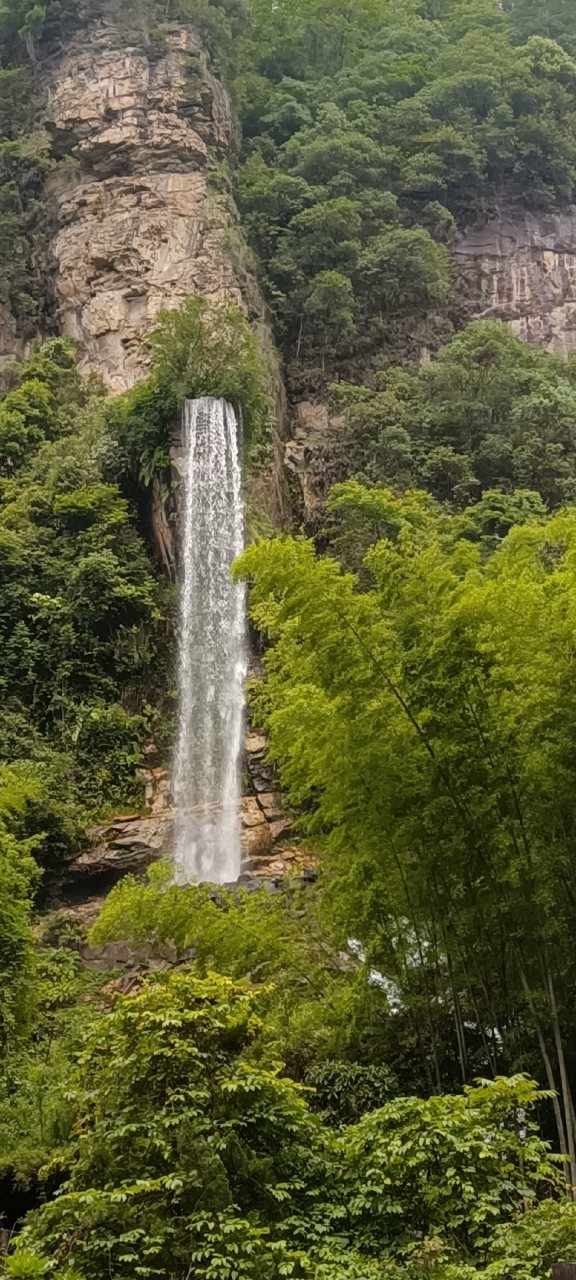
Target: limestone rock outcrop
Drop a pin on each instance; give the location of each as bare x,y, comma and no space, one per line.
130,842
141,205
521,267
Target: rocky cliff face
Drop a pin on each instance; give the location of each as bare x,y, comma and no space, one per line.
130,842
521,267
142,213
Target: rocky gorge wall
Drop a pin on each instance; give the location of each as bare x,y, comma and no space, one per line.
521,267
141,209
143,136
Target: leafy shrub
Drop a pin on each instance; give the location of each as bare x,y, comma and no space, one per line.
318,1008
80,606
344,1091
487,412
19,876
204,349
191,1152
188,1149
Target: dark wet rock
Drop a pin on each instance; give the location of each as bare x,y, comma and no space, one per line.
108,956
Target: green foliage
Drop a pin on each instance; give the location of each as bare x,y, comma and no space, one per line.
488,412
344,1091
555,20
191,1151
43,400
18,878
24,163
204,349
80,607
425,725
322,1005
37,1112
24,158
330,306
420,707
440,1166
25,24
402,271
187,1149
413,116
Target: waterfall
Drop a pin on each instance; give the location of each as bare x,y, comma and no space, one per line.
212,651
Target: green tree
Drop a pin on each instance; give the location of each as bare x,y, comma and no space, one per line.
330,310
425,726
18,879
191,1152
488,411
188,1149
553,19
402,271
204,349
403,110
80,607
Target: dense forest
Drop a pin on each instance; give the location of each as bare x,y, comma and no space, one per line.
371,1076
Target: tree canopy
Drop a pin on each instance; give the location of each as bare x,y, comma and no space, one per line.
486,412
370,1077
424,725
371,131
194,1156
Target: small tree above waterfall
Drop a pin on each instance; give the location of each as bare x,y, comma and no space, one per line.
204,349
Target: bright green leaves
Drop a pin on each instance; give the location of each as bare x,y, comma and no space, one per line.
44,402
18,880
312,1007
426,727
191,1153
209,349
487,411
187,1149
204,349
24,804
456,1166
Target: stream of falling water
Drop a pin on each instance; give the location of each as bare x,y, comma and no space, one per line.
212,649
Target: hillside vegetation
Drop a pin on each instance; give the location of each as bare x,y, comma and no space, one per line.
370,1078
371,132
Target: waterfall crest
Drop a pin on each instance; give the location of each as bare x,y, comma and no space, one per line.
212,650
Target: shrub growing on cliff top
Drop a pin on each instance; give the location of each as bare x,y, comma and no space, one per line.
204,349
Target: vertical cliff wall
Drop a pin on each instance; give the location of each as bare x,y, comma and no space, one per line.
141,211
521,267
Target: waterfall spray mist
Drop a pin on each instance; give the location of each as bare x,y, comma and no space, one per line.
212,648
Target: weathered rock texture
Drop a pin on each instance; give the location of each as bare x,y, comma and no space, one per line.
521,267
141,224
130,842
313,460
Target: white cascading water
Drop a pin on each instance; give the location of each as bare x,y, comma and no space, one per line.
212,649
